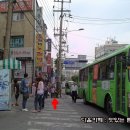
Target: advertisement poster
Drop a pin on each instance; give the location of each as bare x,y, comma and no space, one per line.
95,71
39,50
5,89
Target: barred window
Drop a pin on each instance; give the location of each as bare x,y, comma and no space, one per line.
17,41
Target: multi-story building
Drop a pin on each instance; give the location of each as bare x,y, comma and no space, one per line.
109,47
71,66
27,35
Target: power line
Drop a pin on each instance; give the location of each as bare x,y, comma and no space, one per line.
47,11
33,16
38,24
27,18
100,19
100,23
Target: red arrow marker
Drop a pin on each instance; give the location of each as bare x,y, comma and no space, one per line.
54,103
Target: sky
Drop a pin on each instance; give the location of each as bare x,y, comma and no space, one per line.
101,19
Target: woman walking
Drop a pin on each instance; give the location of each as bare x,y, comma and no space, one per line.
16,91
39,95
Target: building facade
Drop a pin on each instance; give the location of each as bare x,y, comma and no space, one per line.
71,66
27,32
109,47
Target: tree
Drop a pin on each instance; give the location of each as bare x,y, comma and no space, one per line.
74,78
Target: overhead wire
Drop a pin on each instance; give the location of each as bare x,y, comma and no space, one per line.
32,24
46,6
100,23
27,18
99,19
47,11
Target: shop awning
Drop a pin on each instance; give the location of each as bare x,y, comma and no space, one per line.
10,64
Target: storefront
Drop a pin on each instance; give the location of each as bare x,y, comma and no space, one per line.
6,68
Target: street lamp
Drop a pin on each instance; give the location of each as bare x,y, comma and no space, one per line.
80,29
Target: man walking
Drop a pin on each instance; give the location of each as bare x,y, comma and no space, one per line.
74,89
25,91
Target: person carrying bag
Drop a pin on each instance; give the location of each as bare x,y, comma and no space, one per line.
25,91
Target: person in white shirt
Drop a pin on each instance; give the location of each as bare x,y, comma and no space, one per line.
74,89
39,95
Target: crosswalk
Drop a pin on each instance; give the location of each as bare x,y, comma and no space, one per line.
65,117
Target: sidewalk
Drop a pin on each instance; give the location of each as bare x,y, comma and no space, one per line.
65,117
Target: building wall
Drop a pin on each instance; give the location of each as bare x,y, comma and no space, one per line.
107,49
22,27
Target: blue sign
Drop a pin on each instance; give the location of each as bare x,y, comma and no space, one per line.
68,62
5,90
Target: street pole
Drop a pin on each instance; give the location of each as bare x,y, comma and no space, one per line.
60,47
8,29
60,34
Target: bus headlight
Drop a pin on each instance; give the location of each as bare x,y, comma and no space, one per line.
129,100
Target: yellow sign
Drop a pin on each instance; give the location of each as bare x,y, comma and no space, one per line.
39,49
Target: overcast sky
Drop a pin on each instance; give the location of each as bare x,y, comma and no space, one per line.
101,19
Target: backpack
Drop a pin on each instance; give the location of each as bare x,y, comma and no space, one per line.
21,89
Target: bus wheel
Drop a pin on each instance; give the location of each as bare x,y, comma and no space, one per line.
109,106
84,99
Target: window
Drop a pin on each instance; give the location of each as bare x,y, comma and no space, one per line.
83,74
18,16
17,41
107,69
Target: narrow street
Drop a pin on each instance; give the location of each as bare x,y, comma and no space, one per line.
66,117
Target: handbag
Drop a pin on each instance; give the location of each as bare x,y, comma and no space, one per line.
26,95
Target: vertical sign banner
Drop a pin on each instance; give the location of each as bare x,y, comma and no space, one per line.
49,58
49,45
5,90
39,49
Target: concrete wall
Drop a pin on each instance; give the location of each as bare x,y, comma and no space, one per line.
22,27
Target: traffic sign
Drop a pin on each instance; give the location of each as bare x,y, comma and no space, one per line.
69,62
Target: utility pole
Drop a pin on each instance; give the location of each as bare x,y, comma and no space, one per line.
60,42
59,68
8,28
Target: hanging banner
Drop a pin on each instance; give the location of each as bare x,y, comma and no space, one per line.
5,90
39,49
49,59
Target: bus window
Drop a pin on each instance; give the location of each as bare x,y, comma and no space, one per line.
129,73
86,74
106,70
111,67
103,71
128,60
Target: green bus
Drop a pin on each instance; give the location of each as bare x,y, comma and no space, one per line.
106,82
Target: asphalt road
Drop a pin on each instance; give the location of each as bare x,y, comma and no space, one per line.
66,117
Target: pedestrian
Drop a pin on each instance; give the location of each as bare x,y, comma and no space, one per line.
52,92
25,91
45,90
16,91
39,95
74,89
33,88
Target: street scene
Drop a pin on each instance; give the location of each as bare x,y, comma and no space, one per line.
64,64
67,116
